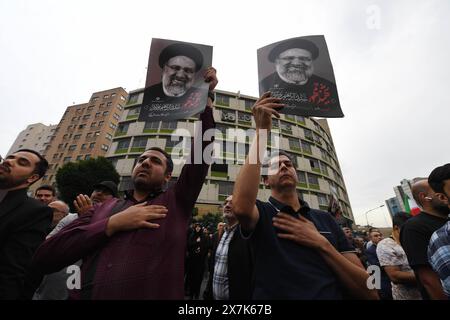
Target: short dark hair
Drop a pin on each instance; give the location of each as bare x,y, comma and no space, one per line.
400,218
181,49
438,176
46,187
169,162
41,166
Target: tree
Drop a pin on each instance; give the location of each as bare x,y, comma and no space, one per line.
79,177
210,220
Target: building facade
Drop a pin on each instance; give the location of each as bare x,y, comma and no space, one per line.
85,131
307,140
34,137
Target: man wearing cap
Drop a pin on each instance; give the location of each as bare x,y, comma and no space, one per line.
294,80
179,63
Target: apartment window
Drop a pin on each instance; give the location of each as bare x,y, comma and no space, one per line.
101,105
60,145
67,159
134,111
77,136
294,144
87,157
105,96
249,104
74,119
83,146
89,135
91,145
168,125
323,201
286,127
301,177
225,188
82,126
55,156
119,107
123,127
123,144
86,116
306,147
139,142
105,147
314,164
275,124
133,98
308,134
116,116
109,104
323,168
93,124
122,98
300,118
228,116
109,136
222,99
98,114
111,125
150,125
313,179
72,147
79,158
105,113
97,133
113,95
89,109
219,170
100,123
94,99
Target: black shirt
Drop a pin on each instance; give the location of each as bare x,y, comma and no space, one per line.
287,270
414,237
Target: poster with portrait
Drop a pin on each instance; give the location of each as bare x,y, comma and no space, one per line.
175,87
299,71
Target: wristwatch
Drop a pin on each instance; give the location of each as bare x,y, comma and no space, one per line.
211,95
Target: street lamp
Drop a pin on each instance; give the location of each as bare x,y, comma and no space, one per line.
371,210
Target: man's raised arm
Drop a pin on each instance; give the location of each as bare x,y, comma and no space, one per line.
247,183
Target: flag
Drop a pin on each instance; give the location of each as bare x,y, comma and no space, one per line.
411,206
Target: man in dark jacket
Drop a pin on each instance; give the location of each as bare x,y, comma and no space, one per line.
231,273
23,221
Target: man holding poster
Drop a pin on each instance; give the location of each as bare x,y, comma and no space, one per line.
179,90
296,80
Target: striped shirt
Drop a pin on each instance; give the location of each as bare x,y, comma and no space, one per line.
439,255
220,278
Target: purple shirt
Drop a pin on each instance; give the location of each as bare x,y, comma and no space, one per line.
136,264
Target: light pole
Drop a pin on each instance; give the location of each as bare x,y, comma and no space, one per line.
372,210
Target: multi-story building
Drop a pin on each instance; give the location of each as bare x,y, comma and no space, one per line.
393,206
404,198
34,137
85,131
308,141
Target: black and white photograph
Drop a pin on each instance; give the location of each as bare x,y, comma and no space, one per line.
175,87
299,72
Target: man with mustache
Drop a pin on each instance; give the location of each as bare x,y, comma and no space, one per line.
23,221
294,80
179,63
134,248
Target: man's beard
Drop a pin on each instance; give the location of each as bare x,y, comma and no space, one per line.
174,87
295,75
8,182
442,208
144,185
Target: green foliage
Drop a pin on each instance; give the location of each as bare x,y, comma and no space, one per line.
209,220
79,177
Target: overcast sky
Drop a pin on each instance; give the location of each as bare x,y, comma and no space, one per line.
390,60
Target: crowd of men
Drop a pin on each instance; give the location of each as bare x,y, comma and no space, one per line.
138,246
